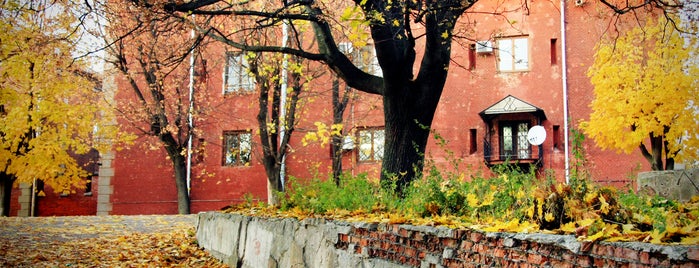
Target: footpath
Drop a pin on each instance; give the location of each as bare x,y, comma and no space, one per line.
101,241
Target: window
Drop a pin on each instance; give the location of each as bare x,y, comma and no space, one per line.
472,56
371,144
513,140
556,136
236,77
513,54
473,148
554,56
237,146
364,58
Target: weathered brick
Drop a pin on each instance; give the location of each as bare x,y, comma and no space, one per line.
693,254
535,259
499,252
363,242
476,237
449,242
628,254
411,252
466,245
583,261
560,264
688,265
599,262
644,257
404,232
516,255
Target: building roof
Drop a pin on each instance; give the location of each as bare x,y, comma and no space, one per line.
511,105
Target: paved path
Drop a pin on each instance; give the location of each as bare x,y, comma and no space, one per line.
82,227
101,241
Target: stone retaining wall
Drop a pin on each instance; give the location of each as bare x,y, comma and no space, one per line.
244,241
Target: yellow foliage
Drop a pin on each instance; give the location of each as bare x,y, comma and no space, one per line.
322,133
50,103
645,83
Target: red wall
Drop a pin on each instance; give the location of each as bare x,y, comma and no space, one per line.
54,204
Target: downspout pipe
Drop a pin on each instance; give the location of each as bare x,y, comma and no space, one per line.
564,82
282,103
190,120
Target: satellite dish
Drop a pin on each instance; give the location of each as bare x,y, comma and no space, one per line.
536,135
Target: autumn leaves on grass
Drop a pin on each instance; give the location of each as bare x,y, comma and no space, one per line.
512,201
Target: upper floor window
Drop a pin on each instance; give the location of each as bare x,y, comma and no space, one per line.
236,77
237,148
513,54
364,58
371,144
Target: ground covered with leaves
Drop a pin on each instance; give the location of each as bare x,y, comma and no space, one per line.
102,241
511,201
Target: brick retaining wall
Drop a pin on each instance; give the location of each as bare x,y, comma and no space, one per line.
325,243
413,245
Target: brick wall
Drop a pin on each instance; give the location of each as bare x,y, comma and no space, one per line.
435,247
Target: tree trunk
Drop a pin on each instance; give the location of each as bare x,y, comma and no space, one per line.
669,161
655,156
339,105
410,104
406,134
183,199
6,182
271,155
274,181
336,151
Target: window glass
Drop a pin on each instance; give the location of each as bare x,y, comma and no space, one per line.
507,139
514,143
522,142
364,58
378,144
371,145
505,54
521,55
513,54
237,147
237,78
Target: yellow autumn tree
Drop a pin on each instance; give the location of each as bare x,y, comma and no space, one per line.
646,88
49,103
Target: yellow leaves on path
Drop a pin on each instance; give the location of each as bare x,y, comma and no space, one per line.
110,241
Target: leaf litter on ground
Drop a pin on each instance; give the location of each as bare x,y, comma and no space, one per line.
103,241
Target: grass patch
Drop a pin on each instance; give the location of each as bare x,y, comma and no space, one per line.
513,201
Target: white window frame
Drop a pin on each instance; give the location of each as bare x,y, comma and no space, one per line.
237,148
513,54
236,76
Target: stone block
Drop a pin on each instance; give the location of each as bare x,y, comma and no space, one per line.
680,185
106,172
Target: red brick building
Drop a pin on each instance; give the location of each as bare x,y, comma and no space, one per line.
516,70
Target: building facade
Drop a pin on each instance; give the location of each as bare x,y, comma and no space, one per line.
515,70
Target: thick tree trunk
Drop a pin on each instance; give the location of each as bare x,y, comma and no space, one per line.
6,182
655,156
407,130
183,200
410,103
